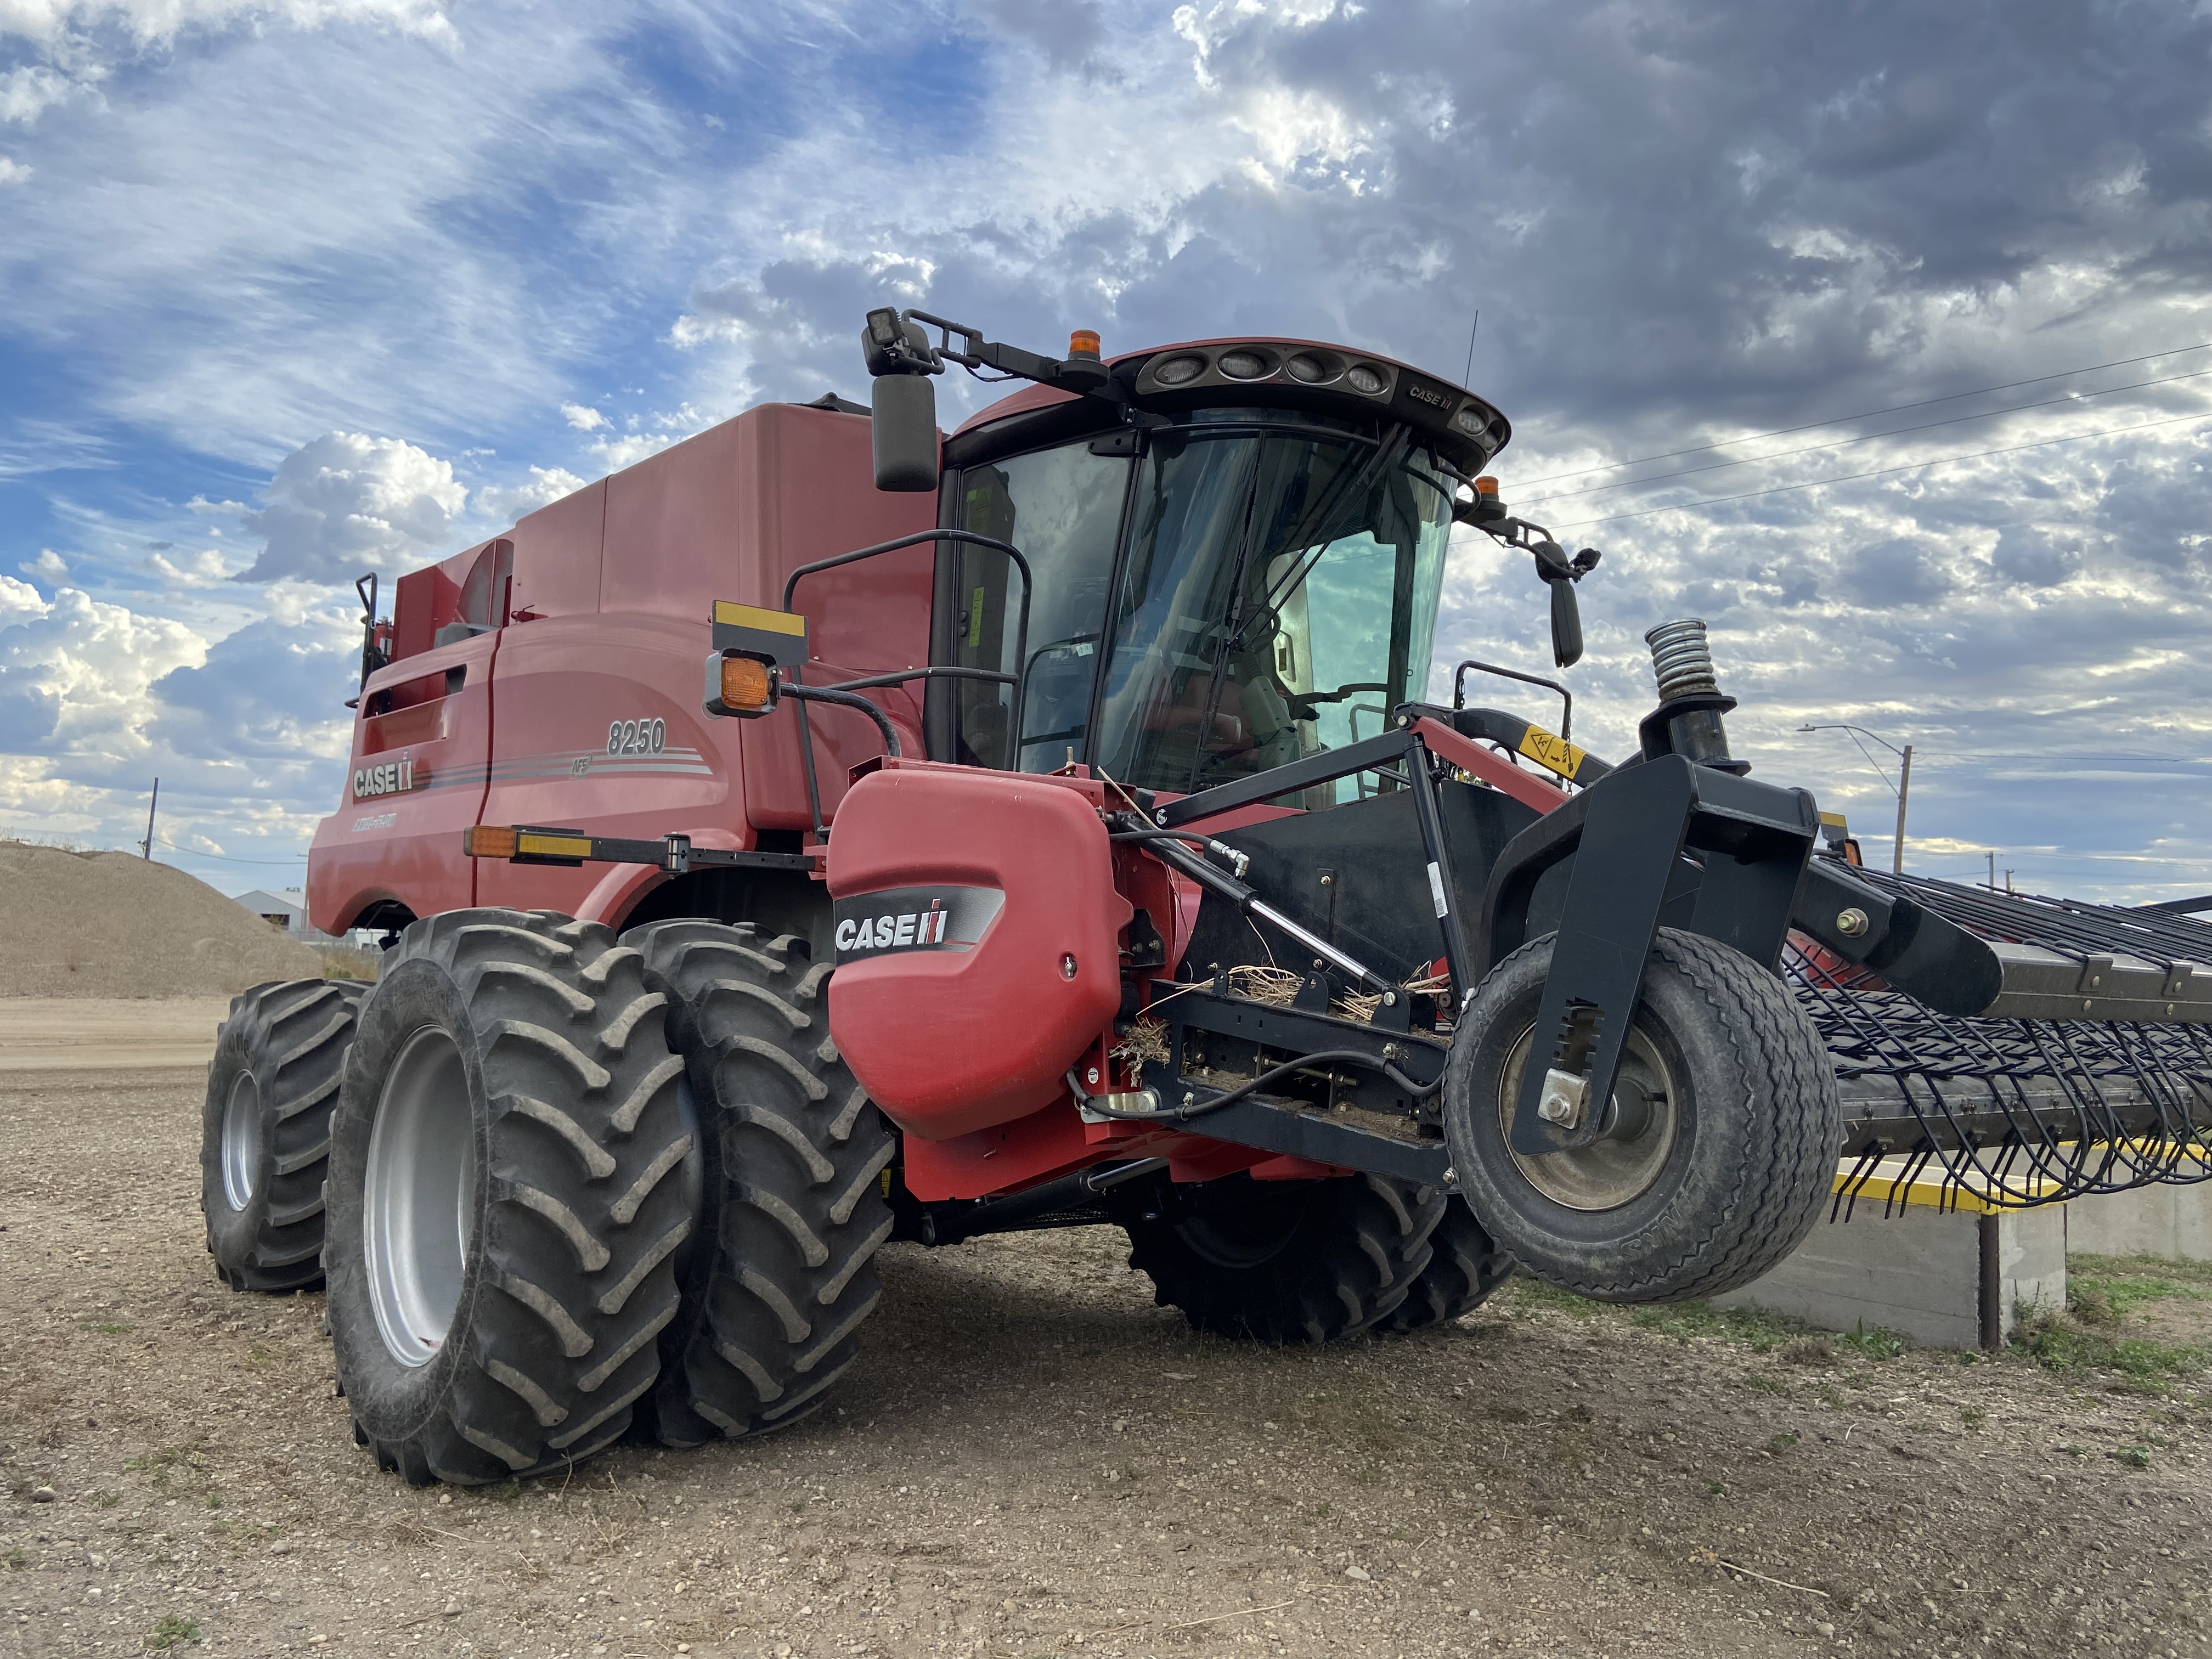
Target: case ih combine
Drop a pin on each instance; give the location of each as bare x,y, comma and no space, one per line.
1060,836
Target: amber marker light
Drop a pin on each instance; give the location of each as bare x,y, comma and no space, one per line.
1082,342
489,841
746,682
1486,487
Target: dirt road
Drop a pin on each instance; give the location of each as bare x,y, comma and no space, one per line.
79,1034
1031,1459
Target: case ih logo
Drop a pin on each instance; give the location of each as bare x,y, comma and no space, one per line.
1423,392
914,919
391,778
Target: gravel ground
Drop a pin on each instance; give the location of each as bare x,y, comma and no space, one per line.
1031,1459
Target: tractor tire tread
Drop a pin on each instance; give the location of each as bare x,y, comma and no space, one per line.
572,1265
292,1036
783,1275
1364,1244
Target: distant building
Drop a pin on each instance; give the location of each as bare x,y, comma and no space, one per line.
287,912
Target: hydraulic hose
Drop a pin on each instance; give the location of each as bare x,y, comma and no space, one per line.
1327,1056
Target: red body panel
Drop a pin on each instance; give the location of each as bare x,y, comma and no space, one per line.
604,621
947,1041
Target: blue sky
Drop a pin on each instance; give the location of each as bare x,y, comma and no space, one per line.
291,289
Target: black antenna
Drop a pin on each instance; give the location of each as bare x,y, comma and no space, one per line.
1467,379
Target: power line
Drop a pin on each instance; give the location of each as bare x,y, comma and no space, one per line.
1863,438
1895,409
194,853
1882,472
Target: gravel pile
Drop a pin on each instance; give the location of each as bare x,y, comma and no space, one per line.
113,925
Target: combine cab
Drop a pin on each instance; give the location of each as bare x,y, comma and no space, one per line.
826,832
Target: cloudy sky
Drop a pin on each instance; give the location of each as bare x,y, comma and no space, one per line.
291,289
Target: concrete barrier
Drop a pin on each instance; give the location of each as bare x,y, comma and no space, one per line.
1942,1267
2168,1221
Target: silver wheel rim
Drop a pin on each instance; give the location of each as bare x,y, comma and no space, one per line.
241,1140
1619,1166
418,1205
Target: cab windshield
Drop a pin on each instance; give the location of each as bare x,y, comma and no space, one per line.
1275,596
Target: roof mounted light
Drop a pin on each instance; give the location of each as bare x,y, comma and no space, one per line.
1472,422
1243,365
1179,370
1366,379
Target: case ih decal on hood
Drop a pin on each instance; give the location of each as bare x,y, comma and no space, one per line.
914,919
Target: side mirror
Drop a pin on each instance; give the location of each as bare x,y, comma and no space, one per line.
903,426
1566,624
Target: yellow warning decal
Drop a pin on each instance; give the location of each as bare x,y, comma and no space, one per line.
1554,753
731,614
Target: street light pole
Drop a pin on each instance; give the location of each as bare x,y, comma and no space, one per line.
1904,789
1903,782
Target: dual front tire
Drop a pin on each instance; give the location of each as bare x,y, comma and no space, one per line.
579,1187
514,1169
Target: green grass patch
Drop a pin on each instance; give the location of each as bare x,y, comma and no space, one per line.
2107,1289
2101,1292
2071,1344
171,1629
104,1327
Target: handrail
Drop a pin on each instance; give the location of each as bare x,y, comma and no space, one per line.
1459,689
1021,646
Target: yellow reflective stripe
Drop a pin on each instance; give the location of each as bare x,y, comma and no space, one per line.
731,614
1554,753
555,847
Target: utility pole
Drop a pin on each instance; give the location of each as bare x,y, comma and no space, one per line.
1993,872
147,850
1904,786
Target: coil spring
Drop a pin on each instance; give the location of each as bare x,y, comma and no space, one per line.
1681,658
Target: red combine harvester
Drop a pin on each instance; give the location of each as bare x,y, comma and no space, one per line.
1080,849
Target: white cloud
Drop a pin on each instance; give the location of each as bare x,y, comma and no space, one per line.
345,501
547,483
12,172
151,22
28,91
20,601
202,569
49,566
582,416
74,675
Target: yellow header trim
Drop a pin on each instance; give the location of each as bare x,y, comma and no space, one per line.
555,847
731,614
1551,752
1834,820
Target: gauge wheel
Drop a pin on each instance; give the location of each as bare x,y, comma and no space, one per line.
1718,1146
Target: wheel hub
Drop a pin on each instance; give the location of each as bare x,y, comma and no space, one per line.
1635,1139
419,1198
241,1140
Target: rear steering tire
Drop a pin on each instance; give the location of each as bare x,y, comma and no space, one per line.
265,1131
793,1209
1286,1262
511,1177
1721,1141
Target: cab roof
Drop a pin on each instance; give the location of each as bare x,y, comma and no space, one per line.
1264,371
